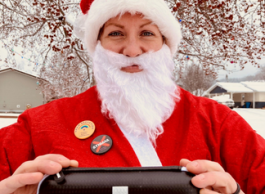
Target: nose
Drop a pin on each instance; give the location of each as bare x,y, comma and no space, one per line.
132,48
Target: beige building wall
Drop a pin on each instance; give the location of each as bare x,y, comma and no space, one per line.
248,97
17,90
260,97
237,97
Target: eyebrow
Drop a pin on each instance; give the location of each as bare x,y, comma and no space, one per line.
145,24
117,25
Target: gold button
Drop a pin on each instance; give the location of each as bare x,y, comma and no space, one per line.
84,129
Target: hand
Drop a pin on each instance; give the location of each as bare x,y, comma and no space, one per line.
210,176
26,178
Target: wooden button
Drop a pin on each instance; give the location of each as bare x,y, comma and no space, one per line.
84,129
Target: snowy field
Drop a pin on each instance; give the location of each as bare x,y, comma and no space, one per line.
7,119
255,117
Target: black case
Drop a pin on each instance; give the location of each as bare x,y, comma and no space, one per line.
133,180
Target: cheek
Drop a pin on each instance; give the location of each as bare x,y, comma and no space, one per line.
105,43
110,45
157,45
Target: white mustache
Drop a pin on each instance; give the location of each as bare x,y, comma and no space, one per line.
120,60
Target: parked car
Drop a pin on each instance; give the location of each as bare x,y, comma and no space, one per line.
225,100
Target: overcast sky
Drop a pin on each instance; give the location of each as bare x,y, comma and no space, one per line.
247,71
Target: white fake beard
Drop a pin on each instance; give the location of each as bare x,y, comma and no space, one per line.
138,102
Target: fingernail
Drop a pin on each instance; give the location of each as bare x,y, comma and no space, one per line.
195,164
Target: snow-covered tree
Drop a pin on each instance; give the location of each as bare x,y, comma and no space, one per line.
217,34
66,77
195,80
45,30
224,34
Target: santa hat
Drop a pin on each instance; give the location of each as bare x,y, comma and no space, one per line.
96,13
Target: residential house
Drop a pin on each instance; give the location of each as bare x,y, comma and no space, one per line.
245,94
18,91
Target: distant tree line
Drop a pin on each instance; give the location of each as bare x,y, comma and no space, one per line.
196,80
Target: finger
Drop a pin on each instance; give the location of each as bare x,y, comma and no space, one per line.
202,166
53,157
57,158
48,164
184,162
65,162
207,191
221,182
74,163
12,183
43,166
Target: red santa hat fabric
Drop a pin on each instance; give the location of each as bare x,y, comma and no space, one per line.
85,5
95,13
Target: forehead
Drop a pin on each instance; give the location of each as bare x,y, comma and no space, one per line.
128,18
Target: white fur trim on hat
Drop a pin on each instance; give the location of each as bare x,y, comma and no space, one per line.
87,26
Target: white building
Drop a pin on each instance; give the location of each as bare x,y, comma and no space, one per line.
250,94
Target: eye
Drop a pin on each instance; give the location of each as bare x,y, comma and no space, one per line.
115,34
147,33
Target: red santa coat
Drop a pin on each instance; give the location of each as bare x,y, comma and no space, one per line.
198,128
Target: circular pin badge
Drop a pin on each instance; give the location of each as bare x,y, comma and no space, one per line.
84,129
101,144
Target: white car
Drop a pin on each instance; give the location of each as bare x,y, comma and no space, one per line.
225,100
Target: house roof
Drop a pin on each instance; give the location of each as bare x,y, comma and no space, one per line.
229,88
257,86
16,70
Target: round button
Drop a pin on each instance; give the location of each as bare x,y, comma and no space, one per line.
101,144
84,129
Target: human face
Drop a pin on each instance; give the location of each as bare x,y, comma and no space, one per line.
131,35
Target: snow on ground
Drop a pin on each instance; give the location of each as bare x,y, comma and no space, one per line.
7,119
255,117
5,122
9,115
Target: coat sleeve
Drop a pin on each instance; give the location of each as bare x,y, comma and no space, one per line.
242,152
15,146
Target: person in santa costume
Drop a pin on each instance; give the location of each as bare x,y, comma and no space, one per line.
150,120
